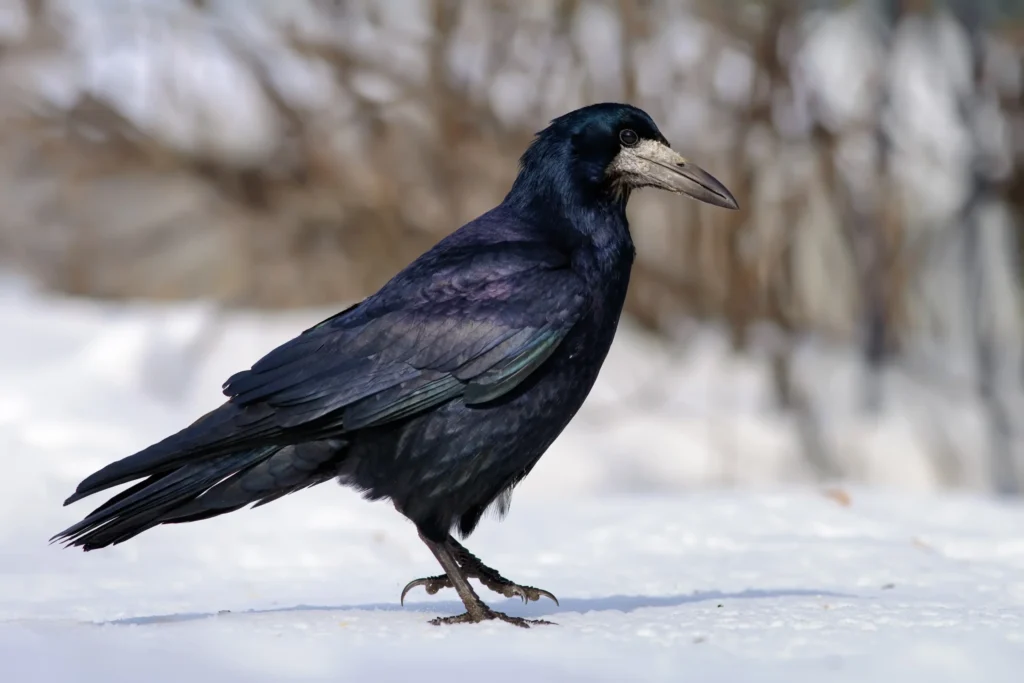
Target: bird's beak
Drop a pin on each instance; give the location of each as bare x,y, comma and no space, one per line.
655,164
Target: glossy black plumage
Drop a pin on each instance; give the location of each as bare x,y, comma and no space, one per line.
442,390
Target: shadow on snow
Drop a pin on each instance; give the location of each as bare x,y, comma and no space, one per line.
617,603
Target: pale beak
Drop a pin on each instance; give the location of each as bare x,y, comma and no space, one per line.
658,165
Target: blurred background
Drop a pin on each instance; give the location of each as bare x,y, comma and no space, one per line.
183,184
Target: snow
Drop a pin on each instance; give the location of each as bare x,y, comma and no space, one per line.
661,577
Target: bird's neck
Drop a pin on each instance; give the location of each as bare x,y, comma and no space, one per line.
588,219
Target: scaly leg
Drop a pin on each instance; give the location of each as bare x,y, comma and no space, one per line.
476,610
473,568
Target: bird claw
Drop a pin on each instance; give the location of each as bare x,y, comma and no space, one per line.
432,584
526,593
488,615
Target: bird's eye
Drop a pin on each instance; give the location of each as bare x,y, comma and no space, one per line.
628,137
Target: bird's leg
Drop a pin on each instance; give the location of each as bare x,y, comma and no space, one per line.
492,579
476,610
473,568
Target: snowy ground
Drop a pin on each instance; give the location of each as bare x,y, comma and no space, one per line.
656,583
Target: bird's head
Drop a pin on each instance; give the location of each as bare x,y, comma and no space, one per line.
612,149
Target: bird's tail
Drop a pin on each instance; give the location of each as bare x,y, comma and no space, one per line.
203,489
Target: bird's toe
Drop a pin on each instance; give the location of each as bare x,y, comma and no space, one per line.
464,618
525,593
534,594
490,615
431,584
521,622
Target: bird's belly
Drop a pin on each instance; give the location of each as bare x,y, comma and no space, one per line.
457,458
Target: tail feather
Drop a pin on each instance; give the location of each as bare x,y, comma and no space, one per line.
150,499
289,469
217,433
203,489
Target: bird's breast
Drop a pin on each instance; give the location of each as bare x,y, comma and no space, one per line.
585,348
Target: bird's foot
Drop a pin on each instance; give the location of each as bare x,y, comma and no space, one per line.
457,571
487,614
498,584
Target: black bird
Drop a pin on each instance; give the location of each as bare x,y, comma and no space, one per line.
442,390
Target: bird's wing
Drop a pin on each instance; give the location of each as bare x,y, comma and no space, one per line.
471,324
475,327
